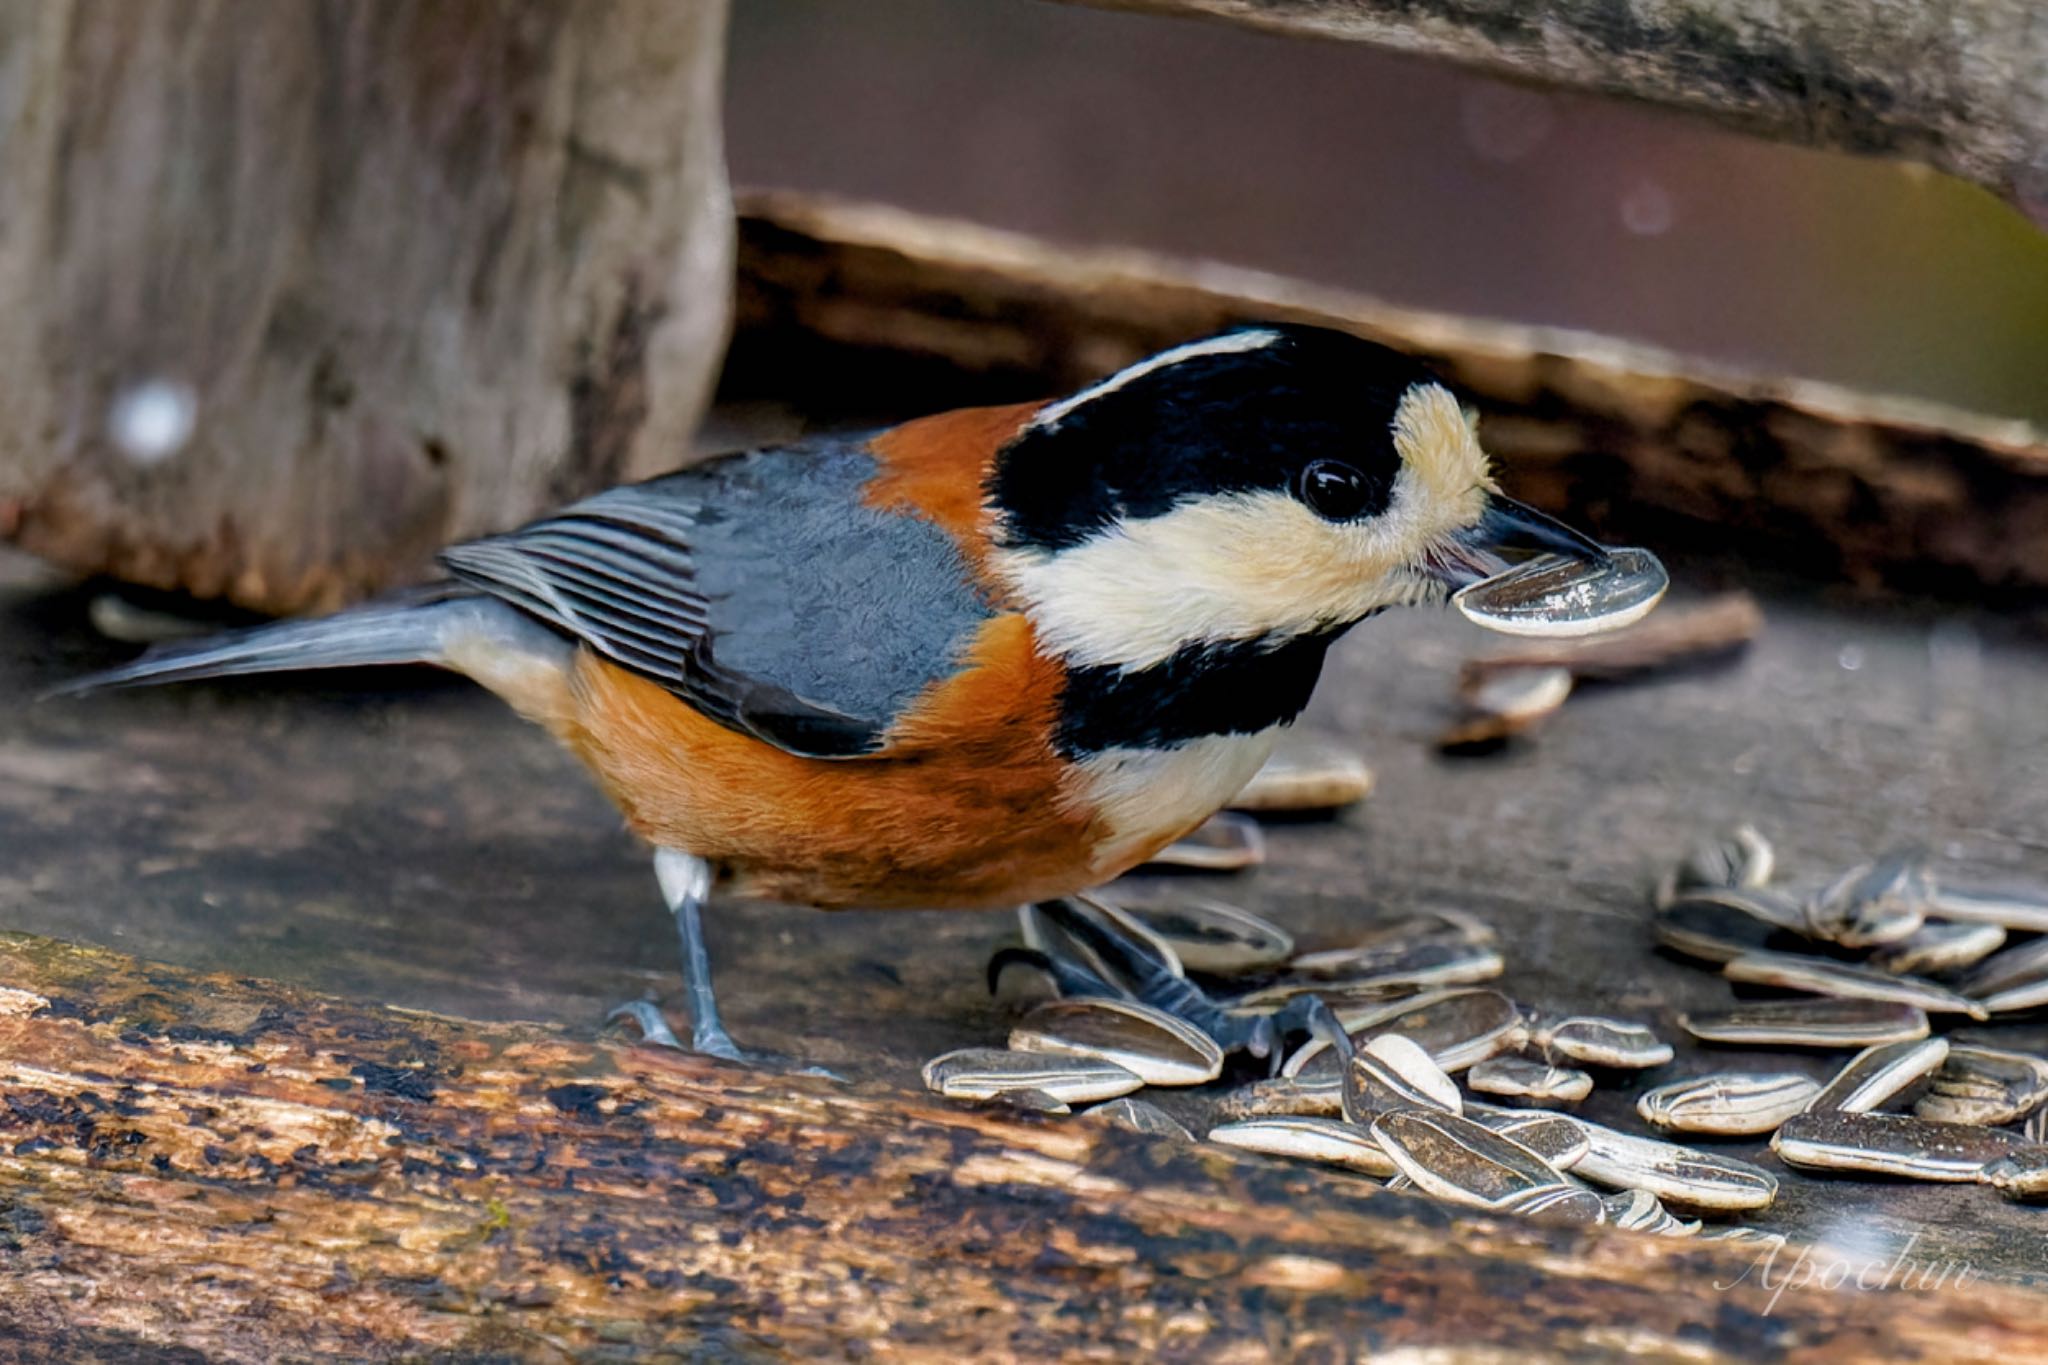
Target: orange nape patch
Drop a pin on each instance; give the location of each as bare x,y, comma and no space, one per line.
938,467
965,807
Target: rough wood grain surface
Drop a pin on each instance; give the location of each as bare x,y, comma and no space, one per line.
250,1172
1958,84
422,269
1638,442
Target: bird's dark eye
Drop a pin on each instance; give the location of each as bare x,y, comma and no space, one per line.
1335,490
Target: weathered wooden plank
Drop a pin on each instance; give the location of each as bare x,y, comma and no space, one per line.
251,1171
293,293
1955,83
1640,442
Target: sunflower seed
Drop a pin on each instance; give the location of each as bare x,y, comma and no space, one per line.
1306,779
1600,1042
2012,972
1562,1202
1746,1236
1284,1097
1876,1074
1841,979
1739,859
1555,596
2014,909
1876,903
979,1073
1210,936
1458,1160
1939,946
1809,1023
1641,1211
1557,1139
1506,702
1520,1078
1677,1175
2037,1127
1890,1144
1137,1116
1707,926
1149,1043
1985,1085
1457,1028
1225,842
1391,1072
1730,1103
1313,1139
1391,946
2022,1175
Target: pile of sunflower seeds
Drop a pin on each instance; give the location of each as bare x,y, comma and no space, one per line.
1418,1074
1875,953
1160,995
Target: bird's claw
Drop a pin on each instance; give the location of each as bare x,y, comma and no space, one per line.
654,1030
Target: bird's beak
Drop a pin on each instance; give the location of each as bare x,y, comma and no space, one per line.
1505,526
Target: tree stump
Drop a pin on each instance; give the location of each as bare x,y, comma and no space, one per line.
294,292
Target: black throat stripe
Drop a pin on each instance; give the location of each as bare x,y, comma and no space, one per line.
1229,688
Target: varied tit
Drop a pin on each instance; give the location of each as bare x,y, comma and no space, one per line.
993,656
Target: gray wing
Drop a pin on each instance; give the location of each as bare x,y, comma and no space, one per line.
759,588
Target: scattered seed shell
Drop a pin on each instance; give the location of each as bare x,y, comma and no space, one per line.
2021,910
1554,596
1985,1086
1523,1079
1225,842
1874,903
1876,1074
1891,1144
1675,1174
1600,1042
1391,1072
1939,946
1283,1097
1557,1139
1306,780
1211,936
1141,1117
1706,926
1157,1047
1745,1236
1641,1211
1458,1029
1727,1103
1458,1160
1562,1202
1739,859
2022,1175
1824,1022
1506,702
1393,946
1332,1141
2015,969
1841,979
979,1073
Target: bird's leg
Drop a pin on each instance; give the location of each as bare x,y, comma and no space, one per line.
686,884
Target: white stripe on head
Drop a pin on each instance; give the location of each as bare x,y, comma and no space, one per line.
1230,343
1251,565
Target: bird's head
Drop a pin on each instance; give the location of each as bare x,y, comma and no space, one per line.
1266,484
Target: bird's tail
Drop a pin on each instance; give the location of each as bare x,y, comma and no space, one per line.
411,628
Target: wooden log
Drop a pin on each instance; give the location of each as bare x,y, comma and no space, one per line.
1958,84
247,1171
1638,442
294,292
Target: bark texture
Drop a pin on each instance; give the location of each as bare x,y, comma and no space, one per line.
249,1172
421,268
1959,84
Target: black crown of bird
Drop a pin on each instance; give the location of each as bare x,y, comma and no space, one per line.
990,657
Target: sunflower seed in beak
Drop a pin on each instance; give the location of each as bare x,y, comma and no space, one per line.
1824,1022
1939,946
1210,936
980,1073
1523,1079
1306,780
1157,1047
1331,1141
1985,1086
1730,1104
1677,1175
1877,1074
1891,1144
1794,972
1458,1160
1600,1042
1557,596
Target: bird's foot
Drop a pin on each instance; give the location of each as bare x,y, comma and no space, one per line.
712,1041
